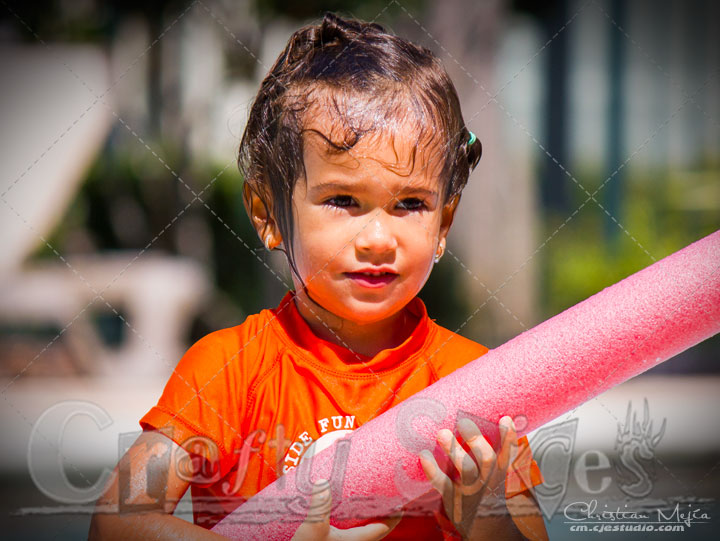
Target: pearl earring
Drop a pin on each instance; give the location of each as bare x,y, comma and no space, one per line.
439,254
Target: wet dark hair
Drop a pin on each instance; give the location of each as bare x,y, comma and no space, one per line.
371,81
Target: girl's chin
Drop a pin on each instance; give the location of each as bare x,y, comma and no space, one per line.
362,315
363,310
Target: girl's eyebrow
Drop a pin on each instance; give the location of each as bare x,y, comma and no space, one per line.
325,187
334,187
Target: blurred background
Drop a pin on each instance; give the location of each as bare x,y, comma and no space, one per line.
124,237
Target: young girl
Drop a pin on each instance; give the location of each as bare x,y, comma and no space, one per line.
354,156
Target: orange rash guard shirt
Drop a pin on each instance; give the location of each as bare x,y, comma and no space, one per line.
248,402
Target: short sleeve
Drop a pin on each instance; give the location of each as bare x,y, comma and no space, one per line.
200,407
523,473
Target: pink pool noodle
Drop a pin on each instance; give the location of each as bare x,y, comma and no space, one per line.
549,370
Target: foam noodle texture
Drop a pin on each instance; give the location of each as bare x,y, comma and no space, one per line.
551,369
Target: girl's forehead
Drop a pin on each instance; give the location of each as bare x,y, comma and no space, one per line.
390,151
400,145
389,121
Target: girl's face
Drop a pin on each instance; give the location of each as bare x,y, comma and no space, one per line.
368,223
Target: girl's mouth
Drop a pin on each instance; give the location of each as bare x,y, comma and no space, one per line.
371,279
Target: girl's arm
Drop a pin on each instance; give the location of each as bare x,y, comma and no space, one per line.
153,456
527,516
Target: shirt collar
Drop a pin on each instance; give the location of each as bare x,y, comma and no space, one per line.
338,358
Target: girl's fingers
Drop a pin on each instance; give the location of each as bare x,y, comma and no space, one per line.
463,462
317,523
369,532
481,449
434,474
452,499
492,466
508,442
320,502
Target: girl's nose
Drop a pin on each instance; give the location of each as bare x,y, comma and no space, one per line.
376,237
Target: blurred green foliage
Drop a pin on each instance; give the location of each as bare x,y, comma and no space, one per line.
662,211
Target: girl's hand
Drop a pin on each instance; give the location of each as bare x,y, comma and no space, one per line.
317,524
481,480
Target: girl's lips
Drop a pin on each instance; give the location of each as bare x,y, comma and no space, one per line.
371,280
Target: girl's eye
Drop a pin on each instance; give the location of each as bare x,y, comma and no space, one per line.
341,201
411,203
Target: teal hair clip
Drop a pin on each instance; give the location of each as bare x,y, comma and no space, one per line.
472,139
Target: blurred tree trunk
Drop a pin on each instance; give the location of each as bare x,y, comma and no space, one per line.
493,234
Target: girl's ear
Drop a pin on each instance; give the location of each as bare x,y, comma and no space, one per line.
261,217
448,214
